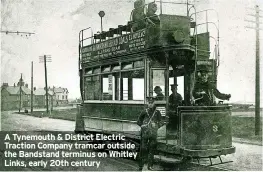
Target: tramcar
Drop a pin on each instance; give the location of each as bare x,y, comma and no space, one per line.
120,67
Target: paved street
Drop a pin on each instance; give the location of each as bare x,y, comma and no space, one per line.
247,157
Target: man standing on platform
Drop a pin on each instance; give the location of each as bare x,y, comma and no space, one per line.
149,121
204,90
175,100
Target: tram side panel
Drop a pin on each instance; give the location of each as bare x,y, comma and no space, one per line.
111,118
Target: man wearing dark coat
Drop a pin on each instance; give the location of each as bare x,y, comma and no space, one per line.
149,121
204,90
175,100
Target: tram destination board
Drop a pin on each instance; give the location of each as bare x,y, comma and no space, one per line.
124,44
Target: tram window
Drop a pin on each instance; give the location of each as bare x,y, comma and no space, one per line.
158,79
138,64
125,88
116,68
127,66
138,88
88,71
108,87
133,85
92,88
97,70
180,88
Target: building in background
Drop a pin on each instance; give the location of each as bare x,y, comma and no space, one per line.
40,97
61,95
10,96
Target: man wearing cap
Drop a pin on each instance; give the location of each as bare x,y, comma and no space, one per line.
149,121
204,90
158,92
175,100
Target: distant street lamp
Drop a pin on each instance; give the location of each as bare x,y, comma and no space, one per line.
101,14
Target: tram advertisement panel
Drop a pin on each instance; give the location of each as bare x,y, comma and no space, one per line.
123,44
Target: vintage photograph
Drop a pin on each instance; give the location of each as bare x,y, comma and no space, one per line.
131,85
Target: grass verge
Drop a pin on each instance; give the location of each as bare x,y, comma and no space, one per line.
244,127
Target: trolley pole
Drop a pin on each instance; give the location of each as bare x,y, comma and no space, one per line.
257,75
32,87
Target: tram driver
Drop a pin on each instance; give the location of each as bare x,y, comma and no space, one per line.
204,90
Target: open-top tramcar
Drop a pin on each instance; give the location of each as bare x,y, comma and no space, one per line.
120,67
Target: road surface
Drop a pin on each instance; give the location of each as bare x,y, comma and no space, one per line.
248,157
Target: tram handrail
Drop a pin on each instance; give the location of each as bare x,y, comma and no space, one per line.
81,44
218,56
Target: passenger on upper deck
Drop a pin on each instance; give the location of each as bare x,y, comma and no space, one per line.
151,17
204,90
138,16
158,92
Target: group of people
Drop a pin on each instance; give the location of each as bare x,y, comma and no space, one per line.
150,119
140,19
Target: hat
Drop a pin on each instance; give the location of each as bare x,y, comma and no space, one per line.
157,88
150,99
174,85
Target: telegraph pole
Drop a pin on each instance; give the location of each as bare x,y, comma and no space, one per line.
32,87
20,92
45,65
257,76
46,59
257,92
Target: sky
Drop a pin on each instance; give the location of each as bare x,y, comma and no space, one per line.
56,24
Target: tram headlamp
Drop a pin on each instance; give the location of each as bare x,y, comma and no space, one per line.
179,36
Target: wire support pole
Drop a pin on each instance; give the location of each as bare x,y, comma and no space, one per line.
257,71
45,59
32,88
45,65
257,86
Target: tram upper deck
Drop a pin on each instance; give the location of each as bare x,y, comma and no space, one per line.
171,34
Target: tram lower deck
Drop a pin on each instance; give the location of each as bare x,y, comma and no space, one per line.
202,132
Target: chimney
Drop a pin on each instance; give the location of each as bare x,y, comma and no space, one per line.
5,85
26,85
34,88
